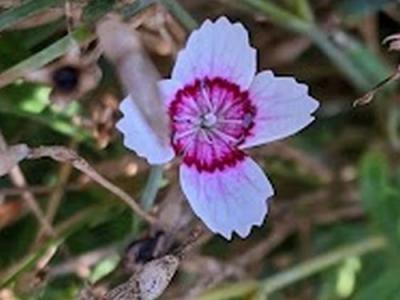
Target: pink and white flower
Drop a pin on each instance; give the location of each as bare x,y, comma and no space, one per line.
218,107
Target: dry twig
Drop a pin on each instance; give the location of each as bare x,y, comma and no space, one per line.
18,179
65,155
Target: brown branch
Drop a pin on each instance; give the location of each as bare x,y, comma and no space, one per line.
63,154
18,179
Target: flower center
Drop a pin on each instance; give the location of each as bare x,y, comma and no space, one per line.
209,120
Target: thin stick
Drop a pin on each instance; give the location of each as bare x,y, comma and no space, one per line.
18,179
62,154
54,200
367,98
38,190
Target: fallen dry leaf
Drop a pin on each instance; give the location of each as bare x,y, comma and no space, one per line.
147,283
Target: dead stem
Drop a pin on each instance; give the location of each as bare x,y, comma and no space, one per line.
369,96
54,200
63,154
18,179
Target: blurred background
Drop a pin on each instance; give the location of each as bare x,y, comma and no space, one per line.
333,230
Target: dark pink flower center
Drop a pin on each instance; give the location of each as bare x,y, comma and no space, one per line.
209,120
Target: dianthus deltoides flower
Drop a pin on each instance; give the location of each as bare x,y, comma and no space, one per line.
218,107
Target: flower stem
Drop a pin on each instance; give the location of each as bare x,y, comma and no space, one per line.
149,194
152,186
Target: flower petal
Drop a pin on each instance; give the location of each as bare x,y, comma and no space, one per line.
231,200
139,137
168,89
283,108
217,49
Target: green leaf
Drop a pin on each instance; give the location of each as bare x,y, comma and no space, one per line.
14,15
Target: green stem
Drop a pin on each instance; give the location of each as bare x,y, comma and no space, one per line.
313,266
181,14
152,186
15,15
149,194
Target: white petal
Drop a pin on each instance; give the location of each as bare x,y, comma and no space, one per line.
283,108
139,137
217,49
232,200
168,89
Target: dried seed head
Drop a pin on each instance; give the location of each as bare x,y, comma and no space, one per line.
144,250
70,77
66,78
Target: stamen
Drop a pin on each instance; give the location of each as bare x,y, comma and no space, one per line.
225,137
189,143
179,135
229,104
231,121
207,136
206,96
184,119
209,120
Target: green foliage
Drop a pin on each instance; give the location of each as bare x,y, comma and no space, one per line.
31,102
381,198
380,194
385,287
